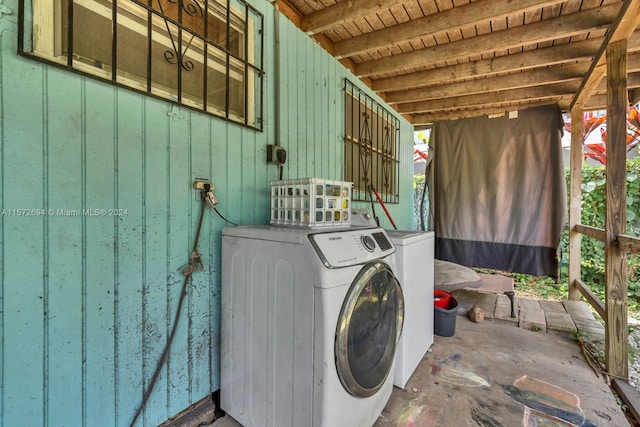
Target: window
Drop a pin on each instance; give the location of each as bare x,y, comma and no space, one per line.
371,146
204,54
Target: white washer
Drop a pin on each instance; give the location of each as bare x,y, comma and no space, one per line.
414,261
310,324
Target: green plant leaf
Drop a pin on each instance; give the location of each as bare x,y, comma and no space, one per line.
589,186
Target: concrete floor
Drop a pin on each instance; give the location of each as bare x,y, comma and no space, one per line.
500,372
495,374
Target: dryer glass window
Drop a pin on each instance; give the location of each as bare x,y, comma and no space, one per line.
370,324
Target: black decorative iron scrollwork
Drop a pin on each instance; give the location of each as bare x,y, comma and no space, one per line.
364,148
171,57
386,156
193,9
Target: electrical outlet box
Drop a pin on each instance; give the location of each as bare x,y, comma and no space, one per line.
199,184
276,154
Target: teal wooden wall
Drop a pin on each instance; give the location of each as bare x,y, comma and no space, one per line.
86,303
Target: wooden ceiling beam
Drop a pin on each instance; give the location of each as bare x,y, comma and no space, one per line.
487,99
552,55
633,62
427,119
541,31
340,13
475,13
622,27
598,101
289,11
504,82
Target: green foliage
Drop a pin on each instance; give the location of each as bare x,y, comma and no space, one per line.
418,193
593,214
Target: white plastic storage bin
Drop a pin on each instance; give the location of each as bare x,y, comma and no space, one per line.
311,202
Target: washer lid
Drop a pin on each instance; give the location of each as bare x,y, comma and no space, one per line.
402,237
350,247
266,232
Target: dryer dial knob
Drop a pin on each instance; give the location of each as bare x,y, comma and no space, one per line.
368,243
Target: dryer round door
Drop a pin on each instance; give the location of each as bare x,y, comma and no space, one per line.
368,330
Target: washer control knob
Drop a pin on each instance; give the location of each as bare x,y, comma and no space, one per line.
368,243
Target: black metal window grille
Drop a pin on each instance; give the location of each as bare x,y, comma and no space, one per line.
371,147
203,54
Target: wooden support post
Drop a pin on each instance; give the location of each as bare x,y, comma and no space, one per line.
575,201
616,335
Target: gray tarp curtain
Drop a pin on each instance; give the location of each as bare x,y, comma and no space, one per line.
500,192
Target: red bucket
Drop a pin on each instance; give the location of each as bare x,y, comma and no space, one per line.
441,299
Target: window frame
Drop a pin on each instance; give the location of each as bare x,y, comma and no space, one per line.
249,63
373,131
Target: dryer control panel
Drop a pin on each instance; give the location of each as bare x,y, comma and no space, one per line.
350,247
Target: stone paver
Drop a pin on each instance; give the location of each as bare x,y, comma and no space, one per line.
527,304
578,309
503,310
531,315
590,328
553,306
485,300
559,322
533,320
559,317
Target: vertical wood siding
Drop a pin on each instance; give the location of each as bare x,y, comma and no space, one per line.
87,302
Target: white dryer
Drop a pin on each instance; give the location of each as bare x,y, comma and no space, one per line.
415,270
310,325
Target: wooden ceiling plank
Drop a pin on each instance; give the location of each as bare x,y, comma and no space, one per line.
588,4
444,5
622,28
413,9
551,11
428,7
478,12
571,6
343,12
400,14
484,99
540,31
